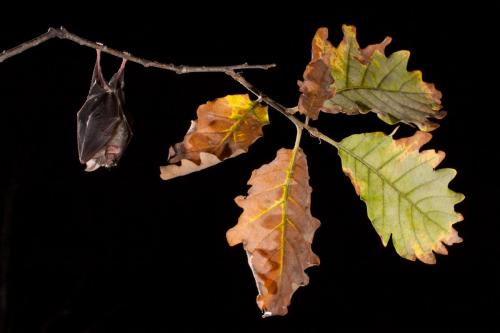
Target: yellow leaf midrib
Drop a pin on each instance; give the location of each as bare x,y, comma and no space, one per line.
283,202
387,181
231,130
341,90
284,206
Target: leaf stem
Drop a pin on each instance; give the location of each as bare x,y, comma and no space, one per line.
299,134
62,33
285,196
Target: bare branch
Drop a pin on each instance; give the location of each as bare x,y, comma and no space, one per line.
260,95
62,33
27,45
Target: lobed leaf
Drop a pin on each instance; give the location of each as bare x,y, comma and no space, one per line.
366,80
404,194
317,87
225,128
277,229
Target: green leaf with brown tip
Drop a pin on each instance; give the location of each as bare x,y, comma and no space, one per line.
367,80
404,194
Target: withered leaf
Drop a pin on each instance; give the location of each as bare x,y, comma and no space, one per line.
277,229
317,87
225,128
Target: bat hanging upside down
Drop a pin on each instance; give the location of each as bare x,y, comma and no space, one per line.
102,128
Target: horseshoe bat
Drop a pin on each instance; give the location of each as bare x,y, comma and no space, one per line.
103,132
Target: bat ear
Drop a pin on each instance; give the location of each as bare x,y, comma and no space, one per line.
117,80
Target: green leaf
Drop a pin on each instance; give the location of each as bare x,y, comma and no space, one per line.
404,194
367,80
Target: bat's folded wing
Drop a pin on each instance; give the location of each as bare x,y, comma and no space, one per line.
97,121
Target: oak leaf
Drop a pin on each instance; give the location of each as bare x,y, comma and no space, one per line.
277,229
404,194
366,80
225,128
317,87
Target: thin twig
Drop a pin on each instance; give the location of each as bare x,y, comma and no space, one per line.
27,45
62,33
287,112
259,94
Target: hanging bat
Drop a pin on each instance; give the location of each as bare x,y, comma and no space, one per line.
103,132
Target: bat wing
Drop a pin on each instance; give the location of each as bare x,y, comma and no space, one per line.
101,122
97,121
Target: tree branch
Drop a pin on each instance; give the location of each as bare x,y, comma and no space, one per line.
62,33
287,112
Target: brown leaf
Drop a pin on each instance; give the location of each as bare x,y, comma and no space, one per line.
317,85
225,128
367,52
321,47
277,229
186,167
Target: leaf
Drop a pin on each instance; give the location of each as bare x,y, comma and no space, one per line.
316,88
366,80
404,194
225,128
277,228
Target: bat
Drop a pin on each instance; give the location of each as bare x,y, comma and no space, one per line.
103,132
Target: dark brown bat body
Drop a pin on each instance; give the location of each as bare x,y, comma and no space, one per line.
102,128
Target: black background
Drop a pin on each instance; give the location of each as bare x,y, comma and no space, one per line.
121,250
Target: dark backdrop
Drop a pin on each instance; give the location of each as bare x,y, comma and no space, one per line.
121,250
